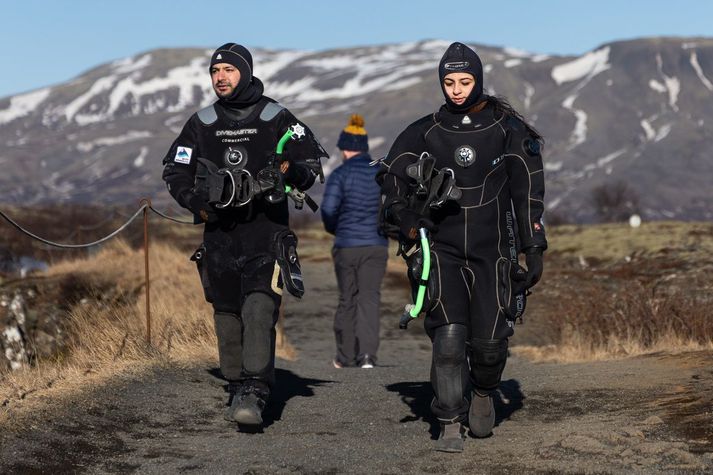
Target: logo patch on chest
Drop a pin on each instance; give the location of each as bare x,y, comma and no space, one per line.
465,156
235,157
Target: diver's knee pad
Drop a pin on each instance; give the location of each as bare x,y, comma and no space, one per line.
487,362
229,330
259,316
449,369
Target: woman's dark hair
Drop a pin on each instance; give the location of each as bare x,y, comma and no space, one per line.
501,104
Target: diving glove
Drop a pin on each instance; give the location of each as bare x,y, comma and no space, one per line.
202,209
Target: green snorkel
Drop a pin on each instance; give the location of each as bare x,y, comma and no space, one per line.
413,310
278,151
297,196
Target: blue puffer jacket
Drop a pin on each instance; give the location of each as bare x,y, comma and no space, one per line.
350,205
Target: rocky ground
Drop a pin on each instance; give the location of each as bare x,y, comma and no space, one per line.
647,414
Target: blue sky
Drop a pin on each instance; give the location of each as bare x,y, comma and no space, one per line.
47,42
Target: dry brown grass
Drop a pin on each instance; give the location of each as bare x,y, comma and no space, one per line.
609,292
108,329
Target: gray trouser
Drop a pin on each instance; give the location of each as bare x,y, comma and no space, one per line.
356,323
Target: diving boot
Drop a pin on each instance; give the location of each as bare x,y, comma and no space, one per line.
451,438
481,416
247,406
249,410
233,389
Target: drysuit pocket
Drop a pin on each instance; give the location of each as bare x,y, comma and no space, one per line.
199,257
511,303
287,259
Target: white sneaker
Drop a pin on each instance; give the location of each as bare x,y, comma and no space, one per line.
366,362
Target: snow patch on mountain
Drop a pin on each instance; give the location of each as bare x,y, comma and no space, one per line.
267,64
529,93
663,132
368,71
375,142
579,134
540,57
139,161
130,136
657,86
648,129
699,71
609,158
23,104
586,66
516,52
101,85
129,65
186,79
553,166
672,84
366,79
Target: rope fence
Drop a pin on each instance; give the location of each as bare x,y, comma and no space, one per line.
143,209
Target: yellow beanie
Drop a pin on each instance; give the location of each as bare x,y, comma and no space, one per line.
354,136
356,125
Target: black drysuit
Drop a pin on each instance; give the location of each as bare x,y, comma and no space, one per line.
498,167
237,261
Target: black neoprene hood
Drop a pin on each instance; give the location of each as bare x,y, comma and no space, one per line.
459,58
249,89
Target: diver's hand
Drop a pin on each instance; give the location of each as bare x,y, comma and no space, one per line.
202,209
533,259
410,221
295,173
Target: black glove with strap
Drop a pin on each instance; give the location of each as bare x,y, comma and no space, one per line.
297,174
202,209
533,259
410,221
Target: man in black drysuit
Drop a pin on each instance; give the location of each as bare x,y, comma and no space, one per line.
476,288
229,145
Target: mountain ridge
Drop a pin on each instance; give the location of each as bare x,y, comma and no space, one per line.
631,111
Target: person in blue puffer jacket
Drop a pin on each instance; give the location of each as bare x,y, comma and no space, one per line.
350,209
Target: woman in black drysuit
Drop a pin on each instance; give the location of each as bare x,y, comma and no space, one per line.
476,288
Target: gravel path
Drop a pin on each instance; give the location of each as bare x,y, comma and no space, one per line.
641,415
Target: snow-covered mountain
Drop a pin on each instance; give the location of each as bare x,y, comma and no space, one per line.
636,111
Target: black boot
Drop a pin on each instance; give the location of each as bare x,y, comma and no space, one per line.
451,438
247,405
233,389
481,416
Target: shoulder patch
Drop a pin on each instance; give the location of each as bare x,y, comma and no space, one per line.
208,115
270,111
183,155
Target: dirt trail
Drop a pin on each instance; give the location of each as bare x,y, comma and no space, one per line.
643,415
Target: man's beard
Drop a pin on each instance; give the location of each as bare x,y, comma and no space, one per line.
224,95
